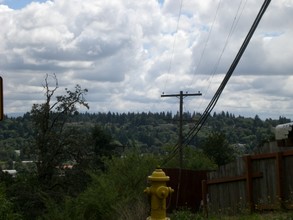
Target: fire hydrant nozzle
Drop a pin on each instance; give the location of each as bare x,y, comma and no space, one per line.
158,193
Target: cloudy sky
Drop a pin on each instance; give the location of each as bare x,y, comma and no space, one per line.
127,53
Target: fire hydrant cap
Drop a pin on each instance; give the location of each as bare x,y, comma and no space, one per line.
158,175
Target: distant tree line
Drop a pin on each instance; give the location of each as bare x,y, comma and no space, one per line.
149,130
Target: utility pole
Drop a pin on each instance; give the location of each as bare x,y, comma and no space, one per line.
180,140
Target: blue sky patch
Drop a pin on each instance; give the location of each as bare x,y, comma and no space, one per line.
161,2
18,4
273,34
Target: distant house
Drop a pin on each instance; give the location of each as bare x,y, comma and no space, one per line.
284,135
63,168
11,172
283,139
17,152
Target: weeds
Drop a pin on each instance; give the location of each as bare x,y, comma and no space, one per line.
187,214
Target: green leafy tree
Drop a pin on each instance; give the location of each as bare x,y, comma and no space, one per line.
194,159
217,148
49,120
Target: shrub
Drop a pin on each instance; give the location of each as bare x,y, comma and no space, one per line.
116,193
6,208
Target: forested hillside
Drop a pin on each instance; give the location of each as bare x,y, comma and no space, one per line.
149,131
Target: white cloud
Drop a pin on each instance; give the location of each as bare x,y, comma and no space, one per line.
128,52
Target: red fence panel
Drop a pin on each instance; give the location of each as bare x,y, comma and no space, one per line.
187,188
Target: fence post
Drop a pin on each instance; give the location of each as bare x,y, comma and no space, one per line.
249,184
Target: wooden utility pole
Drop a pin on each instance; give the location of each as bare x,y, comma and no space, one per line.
180,140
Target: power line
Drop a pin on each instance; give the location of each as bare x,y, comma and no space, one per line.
193,132
206,42
232,29
173,47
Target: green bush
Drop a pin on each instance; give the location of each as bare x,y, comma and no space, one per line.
116,193
6,207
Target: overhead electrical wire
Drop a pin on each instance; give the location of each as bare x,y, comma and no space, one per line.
194,131
206,41
203,52
174,41
175,148
233,26
232,29
244,5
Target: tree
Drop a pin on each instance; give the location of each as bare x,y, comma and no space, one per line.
194,159
49,120
217,148
102,142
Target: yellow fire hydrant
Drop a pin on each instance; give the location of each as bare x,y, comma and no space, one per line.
158,192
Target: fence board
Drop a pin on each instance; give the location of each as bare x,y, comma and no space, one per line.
263,181
287,183
264,192
187,187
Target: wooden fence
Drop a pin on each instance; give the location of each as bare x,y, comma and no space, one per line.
254,182
187,188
